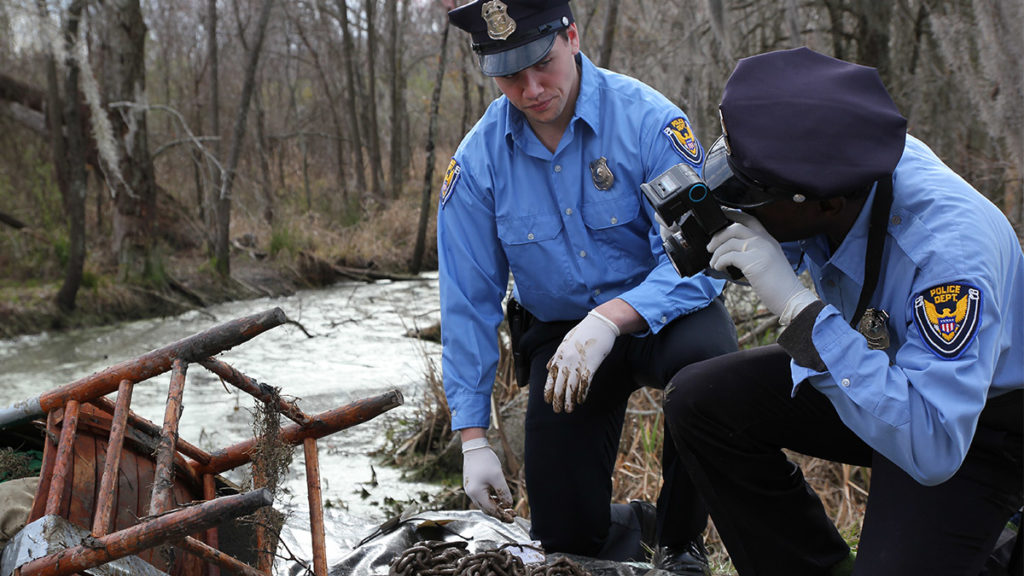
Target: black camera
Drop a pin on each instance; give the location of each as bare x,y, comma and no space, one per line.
690,214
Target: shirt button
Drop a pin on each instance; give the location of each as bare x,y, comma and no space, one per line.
529,236
558,167
664,319
597,292
583,253
568,211
615,220
897,220
845,382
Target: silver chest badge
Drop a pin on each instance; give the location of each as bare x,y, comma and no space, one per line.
874,328
602,174
499,25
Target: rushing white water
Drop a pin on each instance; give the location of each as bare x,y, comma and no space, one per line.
359,349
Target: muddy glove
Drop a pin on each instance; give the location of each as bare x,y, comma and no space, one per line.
484,481
746,245
577,359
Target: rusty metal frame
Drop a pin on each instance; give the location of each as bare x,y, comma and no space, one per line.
168,525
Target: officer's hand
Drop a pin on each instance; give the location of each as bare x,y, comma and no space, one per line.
484,481
577,359
746,245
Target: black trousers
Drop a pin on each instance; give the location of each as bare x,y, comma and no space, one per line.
570,458
730,418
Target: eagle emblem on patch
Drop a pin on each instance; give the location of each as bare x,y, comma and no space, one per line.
948,316
685,143
451,178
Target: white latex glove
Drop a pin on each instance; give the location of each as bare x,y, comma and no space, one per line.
484,481
746,245
577,359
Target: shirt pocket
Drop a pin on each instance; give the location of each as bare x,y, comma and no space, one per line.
535,250
620,233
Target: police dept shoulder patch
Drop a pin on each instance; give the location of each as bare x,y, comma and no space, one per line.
685,143
948,316
451,178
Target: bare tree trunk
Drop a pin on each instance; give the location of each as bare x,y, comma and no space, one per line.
351,94
467,103
835,16
428,176
266,187
874,19
304,146
212,50
132,182
397,101
237,138
69,156
335,118
608,39
373,130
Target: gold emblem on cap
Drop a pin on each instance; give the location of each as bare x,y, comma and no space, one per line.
499,25
602,174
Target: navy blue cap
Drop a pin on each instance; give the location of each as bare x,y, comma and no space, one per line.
511,35
799,122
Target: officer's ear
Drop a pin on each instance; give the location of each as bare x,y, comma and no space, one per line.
573,35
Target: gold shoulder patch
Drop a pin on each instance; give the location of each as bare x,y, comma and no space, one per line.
948,316
451,178
683,141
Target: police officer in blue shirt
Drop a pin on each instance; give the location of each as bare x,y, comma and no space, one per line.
909,358
546,186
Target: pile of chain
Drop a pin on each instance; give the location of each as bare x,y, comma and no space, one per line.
438,558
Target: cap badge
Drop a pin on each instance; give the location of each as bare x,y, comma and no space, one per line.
499,25
602,174
873,326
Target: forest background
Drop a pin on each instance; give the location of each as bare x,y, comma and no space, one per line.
159,155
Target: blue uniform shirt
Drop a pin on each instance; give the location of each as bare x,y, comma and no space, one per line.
509,205
952,282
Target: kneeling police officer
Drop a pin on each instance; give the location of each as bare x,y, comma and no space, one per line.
908,357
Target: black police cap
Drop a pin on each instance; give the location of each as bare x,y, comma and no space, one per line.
796,121
511,35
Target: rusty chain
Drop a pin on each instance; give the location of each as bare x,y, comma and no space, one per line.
439,558
428,558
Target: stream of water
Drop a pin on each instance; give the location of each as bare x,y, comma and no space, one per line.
359,349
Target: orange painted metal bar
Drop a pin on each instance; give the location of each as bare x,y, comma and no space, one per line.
62,468
103,519
191,349
218,559
264,559
170,527
316,508
259,391
163,482
320,425
51,441
139,423
212,534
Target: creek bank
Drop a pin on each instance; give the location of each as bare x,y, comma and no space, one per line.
190,285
